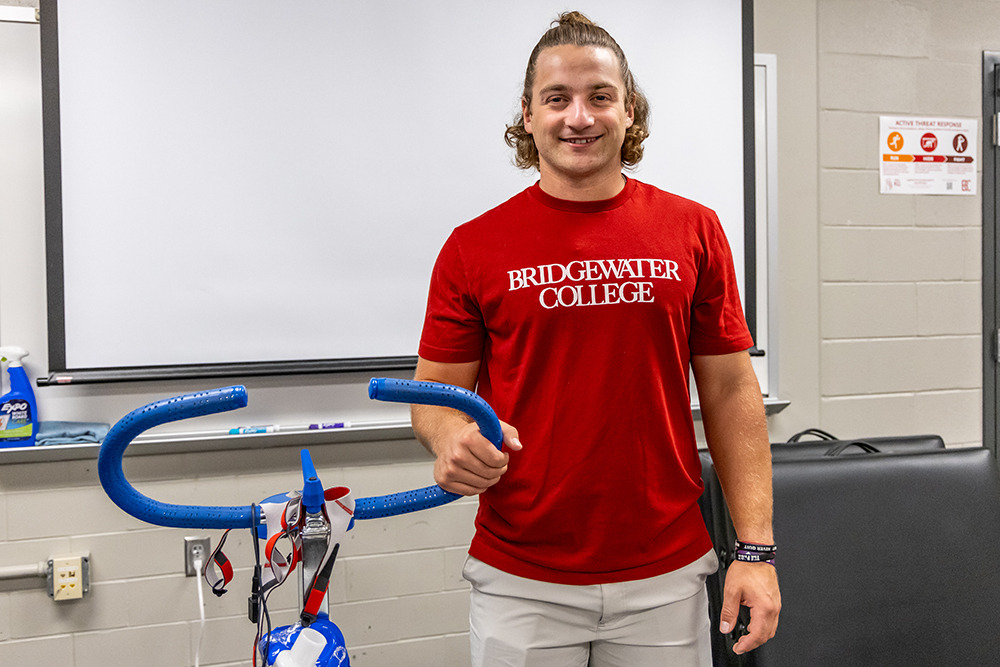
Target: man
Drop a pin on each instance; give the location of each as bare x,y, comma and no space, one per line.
576,309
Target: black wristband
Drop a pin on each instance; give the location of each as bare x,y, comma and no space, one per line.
750,546
755,557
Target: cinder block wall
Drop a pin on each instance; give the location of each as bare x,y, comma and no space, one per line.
397,591
897,278
900,316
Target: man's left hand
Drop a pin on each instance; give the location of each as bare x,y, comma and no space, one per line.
754,585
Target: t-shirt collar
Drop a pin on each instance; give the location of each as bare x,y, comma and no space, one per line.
584,206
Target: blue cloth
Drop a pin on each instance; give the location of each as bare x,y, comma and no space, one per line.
70,433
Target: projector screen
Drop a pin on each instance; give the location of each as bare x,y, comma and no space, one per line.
239,187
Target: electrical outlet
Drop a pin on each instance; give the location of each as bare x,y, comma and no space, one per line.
68,577
195,548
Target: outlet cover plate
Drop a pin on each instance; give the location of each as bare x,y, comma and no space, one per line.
191,546
68,577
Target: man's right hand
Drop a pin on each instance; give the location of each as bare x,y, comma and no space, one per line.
467,463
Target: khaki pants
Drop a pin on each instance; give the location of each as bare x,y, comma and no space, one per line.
657,621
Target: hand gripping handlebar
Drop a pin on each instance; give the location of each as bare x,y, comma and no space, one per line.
426,393
109,462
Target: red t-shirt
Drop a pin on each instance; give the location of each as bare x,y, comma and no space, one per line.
585,316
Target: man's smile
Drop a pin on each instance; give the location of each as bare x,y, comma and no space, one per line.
581,140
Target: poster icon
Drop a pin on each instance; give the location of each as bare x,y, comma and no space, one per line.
960,143
928,142
895,141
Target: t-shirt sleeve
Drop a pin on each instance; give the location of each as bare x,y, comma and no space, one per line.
718,325
453,324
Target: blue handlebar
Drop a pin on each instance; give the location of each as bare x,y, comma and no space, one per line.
109,462
426,393
446,395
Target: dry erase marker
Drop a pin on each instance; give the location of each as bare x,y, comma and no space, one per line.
330,425
243,430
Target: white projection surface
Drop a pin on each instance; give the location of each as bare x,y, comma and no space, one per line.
250,181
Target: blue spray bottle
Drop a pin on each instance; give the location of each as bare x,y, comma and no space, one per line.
18,414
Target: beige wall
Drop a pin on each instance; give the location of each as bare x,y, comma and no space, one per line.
788,30
880,309
879,332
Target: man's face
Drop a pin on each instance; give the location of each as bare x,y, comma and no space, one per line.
578,114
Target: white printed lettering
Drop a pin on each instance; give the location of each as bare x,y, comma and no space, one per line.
552,279
608,268
672,270
592,271
529,277
574,295
541,298
582,268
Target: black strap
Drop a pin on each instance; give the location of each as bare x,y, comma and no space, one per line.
318,589
819,433
837,450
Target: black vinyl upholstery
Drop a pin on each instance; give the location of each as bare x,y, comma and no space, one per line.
883,559
887,444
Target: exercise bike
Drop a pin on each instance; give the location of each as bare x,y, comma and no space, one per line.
299,528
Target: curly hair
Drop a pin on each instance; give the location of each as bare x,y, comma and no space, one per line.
576,29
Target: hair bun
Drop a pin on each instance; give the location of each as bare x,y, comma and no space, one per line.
574,18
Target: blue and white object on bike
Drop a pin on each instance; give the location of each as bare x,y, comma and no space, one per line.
313,501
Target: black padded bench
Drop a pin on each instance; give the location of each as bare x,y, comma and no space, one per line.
884,559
